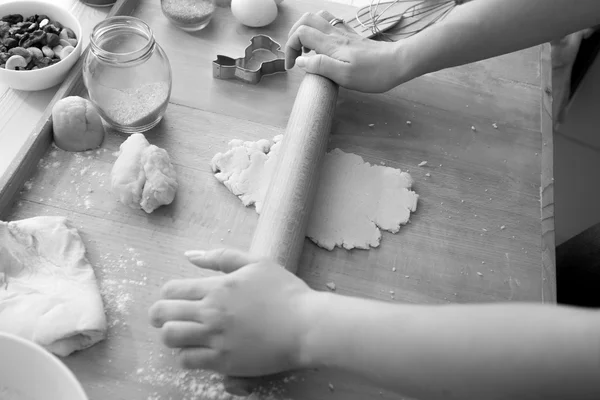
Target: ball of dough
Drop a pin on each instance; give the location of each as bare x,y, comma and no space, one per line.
254,13
77,125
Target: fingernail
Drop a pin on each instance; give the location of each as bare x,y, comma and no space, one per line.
301,62
194,253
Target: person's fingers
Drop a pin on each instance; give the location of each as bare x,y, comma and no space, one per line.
177,334
305,36
323,65
313,20
224,260
326,15
173,310
199,358
188,289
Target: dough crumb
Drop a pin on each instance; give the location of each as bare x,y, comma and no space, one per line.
371,125
331,387
428,174
331,286
406,276
495,126
422,163
502,227
394,269
409,123
479,273
473,128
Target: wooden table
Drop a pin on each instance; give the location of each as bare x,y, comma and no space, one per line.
479,234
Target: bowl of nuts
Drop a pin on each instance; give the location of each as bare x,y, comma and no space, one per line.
39,44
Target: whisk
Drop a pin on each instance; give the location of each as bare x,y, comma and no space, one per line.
398,19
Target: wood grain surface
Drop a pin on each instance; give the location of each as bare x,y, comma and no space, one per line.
479,208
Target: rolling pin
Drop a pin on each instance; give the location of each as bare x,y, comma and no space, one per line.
282,224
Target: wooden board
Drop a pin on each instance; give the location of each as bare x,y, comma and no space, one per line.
481,180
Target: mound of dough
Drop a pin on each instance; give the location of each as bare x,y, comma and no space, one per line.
48,290
76,124
354,199
143,176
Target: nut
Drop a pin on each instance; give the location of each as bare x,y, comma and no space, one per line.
58,25
63,34
52,40
4,28
33,27
15,62
72,42
57,50
4,57
44,62
65,52
64,42
50,28
9,43
70,33
12,18
47,51
35,39
44,22
20,51
36,53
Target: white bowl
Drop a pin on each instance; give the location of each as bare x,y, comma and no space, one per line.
43,78
30,372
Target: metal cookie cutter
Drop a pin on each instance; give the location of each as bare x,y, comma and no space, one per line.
245,68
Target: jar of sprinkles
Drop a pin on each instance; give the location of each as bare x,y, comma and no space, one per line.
127,74
189,15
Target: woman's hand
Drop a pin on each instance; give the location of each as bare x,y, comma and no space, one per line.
251,321
344,56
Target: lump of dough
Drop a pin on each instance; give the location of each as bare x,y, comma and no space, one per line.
48,289
161,179
127,176
354,202
76,124
143,176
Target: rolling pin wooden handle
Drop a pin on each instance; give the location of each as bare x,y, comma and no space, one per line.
282,224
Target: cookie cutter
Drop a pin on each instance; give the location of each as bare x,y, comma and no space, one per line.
228,68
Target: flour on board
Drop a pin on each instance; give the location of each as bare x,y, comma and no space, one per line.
354,199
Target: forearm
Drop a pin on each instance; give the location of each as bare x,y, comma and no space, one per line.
501,351
480,29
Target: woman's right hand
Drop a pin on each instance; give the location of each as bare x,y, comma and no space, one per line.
344,56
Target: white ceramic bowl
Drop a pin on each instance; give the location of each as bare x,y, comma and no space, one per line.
30,372
48,77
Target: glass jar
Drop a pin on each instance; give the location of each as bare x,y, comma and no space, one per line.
127,74
189,15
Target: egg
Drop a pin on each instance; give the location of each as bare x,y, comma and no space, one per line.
254,13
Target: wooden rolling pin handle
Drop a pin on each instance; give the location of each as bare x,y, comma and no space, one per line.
282,224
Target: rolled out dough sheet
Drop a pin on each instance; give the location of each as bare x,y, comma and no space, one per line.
48,290
354,199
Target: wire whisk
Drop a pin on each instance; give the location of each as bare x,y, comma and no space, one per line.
399,19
